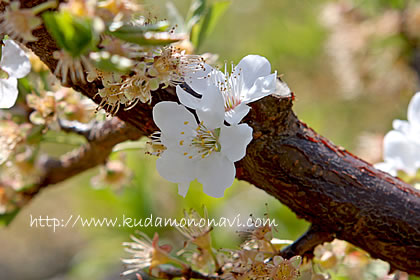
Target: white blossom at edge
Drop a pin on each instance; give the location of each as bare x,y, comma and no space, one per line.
402,144
15,63
205,151
249,81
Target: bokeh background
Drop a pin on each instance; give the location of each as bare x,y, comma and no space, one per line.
304,42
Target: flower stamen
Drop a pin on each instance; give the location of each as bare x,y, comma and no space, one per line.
206,141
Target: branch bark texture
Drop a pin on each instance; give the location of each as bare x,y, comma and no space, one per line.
337,192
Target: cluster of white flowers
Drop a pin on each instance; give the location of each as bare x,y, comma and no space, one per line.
402,144
14,65
205,146
202,137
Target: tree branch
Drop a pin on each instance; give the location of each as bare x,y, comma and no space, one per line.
88,130
170,272
102,138
322,183
306,244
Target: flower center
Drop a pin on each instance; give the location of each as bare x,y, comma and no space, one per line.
204,142
230,85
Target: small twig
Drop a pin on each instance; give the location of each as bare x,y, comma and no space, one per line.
102,138
82,129
170,272
305,245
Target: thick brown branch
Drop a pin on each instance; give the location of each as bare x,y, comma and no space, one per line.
322,183
332,188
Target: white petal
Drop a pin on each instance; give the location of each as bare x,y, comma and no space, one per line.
183,188
216,173
234,116
175,167
282,89
173,118
199,80
187,99
234,139
8,92
402,126
212,110
387,167
262,87
14,60
403,153
413,113
252,67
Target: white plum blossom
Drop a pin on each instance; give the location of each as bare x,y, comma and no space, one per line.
248,81
402,144
205,150
14,65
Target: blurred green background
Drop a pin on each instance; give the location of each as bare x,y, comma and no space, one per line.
290,35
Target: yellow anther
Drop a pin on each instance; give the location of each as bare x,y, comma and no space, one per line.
183,132
185,123
185,154
190,157
181,142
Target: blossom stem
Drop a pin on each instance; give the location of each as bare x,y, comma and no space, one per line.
44,6
273,247
184,265
216,263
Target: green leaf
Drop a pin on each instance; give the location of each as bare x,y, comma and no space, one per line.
73,34
206,25
7,218
138,28
25,85
196,12
149,39
145,35
111,63
3,74
34,136
398,4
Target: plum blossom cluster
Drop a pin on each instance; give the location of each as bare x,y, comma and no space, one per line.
160,67
402,144
113,41
205,142
351,260
257,257
129,53
114,44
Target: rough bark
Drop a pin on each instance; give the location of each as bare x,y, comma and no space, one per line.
337,192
